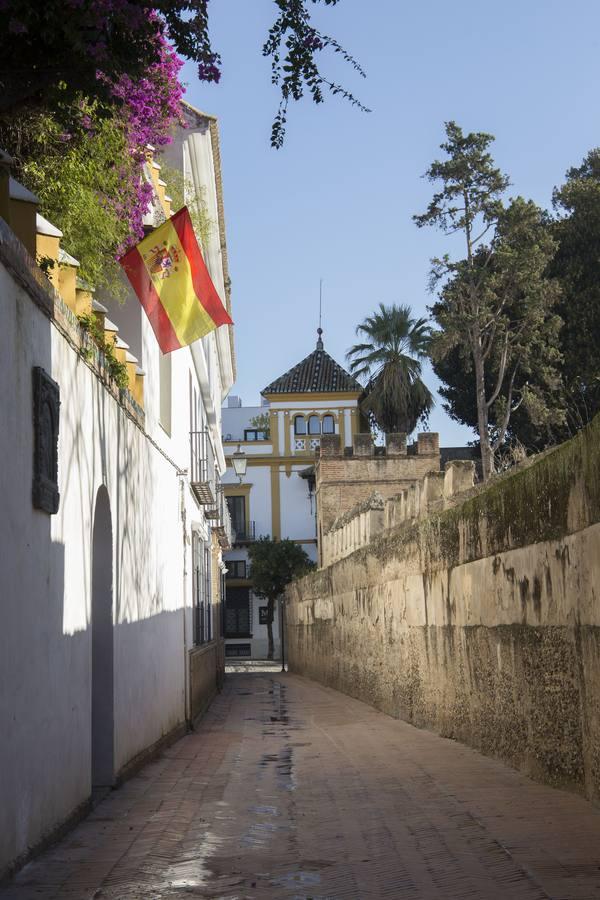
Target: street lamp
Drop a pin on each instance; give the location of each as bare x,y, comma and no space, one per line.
240,462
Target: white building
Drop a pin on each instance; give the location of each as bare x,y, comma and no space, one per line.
113,524
276,497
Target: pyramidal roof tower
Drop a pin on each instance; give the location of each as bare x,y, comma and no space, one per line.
317,373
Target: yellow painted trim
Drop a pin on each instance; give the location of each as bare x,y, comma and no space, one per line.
240,490
298,460
353,424
67,286
48,245
248,443
342,428
332,396
287,441
235,490
275,504
274,427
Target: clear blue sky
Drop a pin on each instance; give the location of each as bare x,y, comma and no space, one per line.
337,201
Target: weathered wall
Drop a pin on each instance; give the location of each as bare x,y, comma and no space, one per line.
47,565
344,481
204,663
481,622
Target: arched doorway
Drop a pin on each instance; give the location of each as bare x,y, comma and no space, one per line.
102,645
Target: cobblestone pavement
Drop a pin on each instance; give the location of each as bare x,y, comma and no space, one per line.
291,790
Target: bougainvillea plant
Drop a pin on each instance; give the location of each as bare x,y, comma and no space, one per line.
85,160
149,108
72,70
65,42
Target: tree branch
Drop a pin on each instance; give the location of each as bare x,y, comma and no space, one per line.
502,433
501,371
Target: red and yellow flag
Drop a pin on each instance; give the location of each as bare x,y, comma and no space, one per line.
167,272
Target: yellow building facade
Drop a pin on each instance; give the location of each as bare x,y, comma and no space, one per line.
276,497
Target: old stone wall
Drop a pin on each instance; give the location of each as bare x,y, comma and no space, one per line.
365,522
481,621
345,481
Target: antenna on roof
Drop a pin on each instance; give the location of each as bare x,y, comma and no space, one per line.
320,300
319,329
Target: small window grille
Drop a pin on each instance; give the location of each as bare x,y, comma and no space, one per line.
202,609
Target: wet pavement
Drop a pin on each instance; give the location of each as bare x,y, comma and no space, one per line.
291,790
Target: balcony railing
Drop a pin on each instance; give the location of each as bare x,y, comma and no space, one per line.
236,568
202,467
221,520
245,532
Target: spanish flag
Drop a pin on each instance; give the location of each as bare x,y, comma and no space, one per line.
167,272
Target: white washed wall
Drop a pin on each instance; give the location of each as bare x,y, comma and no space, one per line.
45,575
297,521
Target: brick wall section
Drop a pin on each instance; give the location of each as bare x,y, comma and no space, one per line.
481,621
344,481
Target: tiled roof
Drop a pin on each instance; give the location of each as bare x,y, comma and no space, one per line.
318,373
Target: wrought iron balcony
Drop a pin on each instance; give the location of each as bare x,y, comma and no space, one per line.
236,569
202,468
221,520
245,532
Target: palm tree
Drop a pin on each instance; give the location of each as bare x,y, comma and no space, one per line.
395,397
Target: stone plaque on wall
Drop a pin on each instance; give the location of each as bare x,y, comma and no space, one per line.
46,408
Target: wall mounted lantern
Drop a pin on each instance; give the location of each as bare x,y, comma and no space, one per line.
240,463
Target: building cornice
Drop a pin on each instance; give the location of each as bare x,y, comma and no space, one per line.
328,396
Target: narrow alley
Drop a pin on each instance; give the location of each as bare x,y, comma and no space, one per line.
291,790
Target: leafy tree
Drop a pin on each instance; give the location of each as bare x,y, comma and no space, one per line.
85,160
455,371
262,422
496,306
393,344
65,43
273,564
81,189
577,267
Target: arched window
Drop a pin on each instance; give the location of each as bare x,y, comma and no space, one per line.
328,425
314,425
299,425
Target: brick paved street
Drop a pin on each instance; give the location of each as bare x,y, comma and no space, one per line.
291,790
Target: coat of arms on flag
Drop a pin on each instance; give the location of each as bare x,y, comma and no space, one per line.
162,260
170,278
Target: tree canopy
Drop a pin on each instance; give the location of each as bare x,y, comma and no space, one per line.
564,361
576,265
85,161
390,354
496,306
273,565
63,45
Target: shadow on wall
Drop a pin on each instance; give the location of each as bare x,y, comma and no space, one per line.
80,696
103,712
43,701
